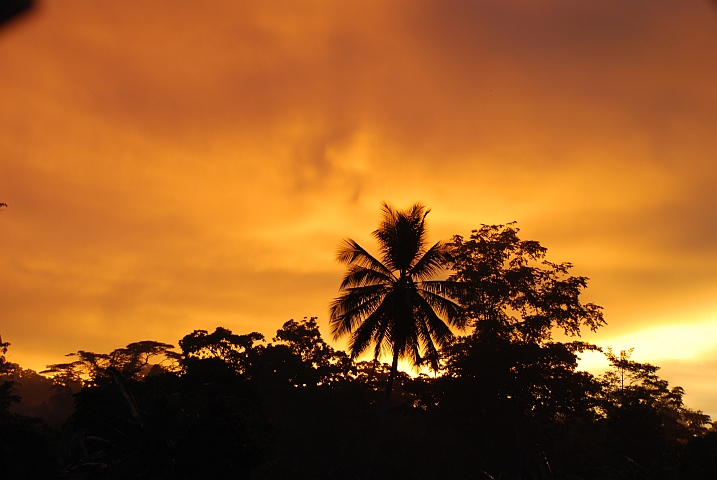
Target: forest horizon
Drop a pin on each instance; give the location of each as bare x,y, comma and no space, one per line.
511,398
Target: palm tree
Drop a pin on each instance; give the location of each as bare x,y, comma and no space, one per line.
391,303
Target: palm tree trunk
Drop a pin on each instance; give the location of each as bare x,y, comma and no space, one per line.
382,418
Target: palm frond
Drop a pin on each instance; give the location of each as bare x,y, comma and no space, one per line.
401,236
388,339
430,263
379,340
352,253
370,331
355,296
446,308
427,337
359,276
412,347
458,291
351,308
437,325
440,333
403,328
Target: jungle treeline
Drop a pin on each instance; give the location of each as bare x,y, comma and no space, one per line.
494,396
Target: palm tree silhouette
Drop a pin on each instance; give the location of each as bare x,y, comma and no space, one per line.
392,304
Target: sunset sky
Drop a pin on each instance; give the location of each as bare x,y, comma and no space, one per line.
170,168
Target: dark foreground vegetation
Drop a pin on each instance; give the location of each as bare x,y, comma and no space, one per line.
502,400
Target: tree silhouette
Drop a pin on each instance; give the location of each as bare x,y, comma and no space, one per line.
391,303
514,292
6,396
25,450
505,398
508,386
132,362
236,350
646,417
321,363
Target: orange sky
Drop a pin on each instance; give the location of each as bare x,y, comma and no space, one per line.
169,168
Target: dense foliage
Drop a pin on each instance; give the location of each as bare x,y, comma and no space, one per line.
503,400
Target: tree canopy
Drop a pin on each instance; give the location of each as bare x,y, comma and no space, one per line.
505,398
